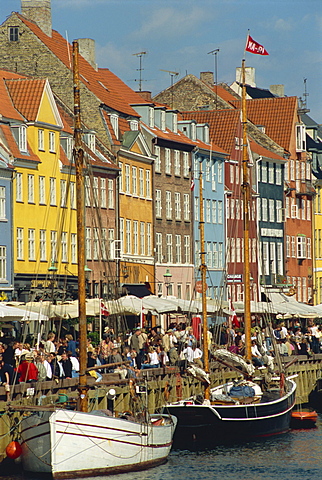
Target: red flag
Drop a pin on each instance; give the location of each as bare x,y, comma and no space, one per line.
104,310
192,184
233,316
254,47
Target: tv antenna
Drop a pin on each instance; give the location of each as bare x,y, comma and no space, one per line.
172,75
140,69
214,53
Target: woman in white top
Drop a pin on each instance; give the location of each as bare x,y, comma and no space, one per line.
153,359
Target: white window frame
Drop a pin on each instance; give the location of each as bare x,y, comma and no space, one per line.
31,188
148,184
88,243
157,161
20,243
63,193
135,237
52,190
168,205
178,258
301,247
53,246
41,139
19,187
128,236
300,138
265,249
186,246
169,248
177,205
142,238
177,166
43,245
127,179
141,182
42,190
2,202
186,207
158,204
167,155
149,238
220,211
52,147
186,164
31,244
158,245
134,181
64,247
3,263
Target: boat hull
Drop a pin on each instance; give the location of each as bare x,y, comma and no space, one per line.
207,425
75,444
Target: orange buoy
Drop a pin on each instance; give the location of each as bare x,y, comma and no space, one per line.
14,450
310,416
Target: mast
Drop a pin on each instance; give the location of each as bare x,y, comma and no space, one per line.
79,168
246,202
203,270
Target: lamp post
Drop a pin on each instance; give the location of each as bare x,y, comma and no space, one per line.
88,272
167,279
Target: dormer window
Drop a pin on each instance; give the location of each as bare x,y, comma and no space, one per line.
67,144
163,120
193,131
300,138
22,138
175,123
134,125
13,33
91,141
206,133
115,123
151,117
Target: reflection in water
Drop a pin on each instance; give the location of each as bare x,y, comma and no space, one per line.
296,455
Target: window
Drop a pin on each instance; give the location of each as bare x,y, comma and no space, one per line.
208,255
142,238
157,162
42,192
288,246
197,209
177,206
88,243
208,170
308,210
178,249
272,257
294,212
168,207
42,245
278,173
96,244
158,240
149,238
151,116
20,255
121,177
13,34
301,247
3,262
110,242
308,248
208,211
110,192
64,248
185,164
213,177
214,211
271,208
196,167
186,249
264,172
233,250
72,195
232,208
254,250
87,192
127,179
141,182
293,247
287,207
177,166
121,235
134,181
220,216
95,190
271,173
52,189
237,208
186,207
147,183
128,236
220,172
31,244
115,123
238,252
197,252
265,259
303,172
19,187
215,259
264,210
41,144
53,246
22,138
158,207
135,237
169,247
280,258
2,203
300,138
90,140
167,153
63,193
52,142
231,170
220,255
292,170
31,189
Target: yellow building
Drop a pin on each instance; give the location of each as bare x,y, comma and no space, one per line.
136,211
44,215
317,225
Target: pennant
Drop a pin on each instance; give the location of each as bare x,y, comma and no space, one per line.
254,47
104,310
233,316
192,184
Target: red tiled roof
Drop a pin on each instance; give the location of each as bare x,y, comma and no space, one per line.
223,93
118,87
13,147
7,108
256,148
278,115
89,76
223,125
26,94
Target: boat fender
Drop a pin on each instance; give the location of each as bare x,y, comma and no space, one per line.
13,450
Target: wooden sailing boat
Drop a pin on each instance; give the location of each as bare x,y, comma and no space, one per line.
248,408
69,443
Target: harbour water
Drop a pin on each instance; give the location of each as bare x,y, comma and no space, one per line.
296,455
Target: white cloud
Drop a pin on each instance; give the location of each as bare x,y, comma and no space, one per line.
283,25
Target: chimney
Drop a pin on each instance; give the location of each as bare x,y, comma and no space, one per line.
87,50
277,90
207,77
39,12
146,95
249,76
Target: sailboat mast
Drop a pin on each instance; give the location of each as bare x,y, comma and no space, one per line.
246,198
203,270
79,166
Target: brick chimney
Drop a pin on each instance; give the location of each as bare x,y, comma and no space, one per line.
146,95
39,12
277,90
207,77
87,50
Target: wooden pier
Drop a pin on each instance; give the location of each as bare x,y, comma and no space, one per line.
152,390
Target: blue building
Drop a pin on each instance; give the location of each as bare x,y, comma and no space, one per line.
6,273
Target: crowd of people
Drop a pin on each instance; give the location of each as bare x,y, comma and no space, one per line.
57,358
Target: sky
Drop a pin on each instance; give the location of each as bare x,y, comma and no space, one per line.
177,36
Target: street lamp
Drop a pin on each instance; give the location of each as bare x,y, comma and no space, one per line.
88,272
167,279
